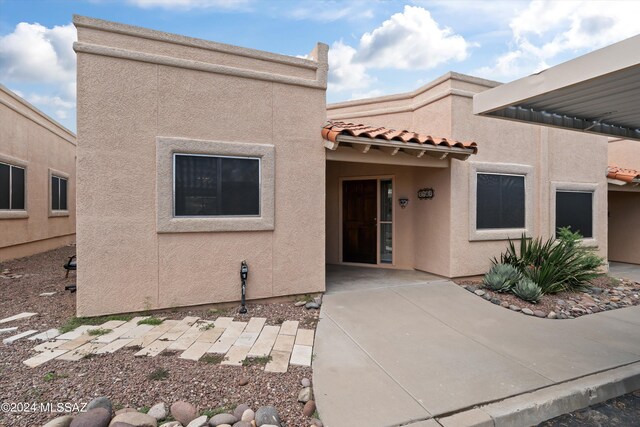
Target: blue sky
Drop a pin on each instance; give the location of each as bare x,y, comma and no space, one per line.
377,47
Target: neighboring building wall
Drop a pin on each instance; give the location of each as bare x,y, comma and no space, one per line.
551,158
139,88
624,205
35,142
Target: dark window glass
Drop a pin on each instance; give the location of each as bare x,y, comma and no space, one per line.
500,201
17,188
4,186
216,186
55,193
63,194
574,209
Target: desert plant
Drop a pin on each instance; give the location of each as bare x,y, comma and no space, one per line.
501,277
555,265
527,290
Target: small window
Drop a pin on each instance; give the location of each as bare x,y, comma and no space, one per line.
58,193
500,201
12,187
216,186
574,209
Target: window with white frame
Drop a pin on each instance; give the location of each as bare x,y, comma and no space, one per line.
208,185
59,187
500,201
574,209
12,187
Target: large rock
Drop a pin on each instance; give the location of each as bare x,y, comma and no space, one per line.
305,395
309,408
64,421
305,382
248,415
171,424
158,411
198,422
216,420
266,415
96,417
101,402
137,419
125,410
242,424
184,412
240,410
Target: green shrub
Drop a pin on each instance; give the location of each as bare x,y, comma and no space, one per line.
555,265
501,277
527,290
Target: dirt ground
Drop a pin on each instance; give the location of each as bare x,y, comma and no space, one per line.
125,379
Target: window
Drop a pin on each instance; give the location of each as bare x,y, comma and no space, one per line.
12,187
386,218
574,209
500,201
58,193
216,185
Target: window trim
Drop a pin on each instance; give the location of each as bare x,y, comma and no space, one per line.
500,169
173,201
581,187
22,164
166,222
63,175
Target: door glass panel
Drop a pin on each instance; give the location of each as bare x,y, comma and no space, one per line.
386,200
386,227
386,244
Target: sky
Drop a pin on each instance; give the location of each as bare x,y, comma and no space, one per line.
376,47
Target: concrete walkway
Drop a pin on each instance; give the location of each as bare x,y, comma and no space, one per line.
410,351
625,271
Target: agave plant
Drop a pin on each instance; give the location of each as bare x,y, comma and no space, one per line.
501,277
527,290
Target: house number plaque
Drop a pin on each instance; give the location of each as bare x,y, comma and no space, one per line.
425,193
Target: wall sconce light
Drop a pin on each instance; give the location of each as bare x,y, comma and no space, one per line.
404,201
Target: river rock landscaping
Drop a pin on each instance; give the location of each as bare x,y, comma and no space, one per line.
144,385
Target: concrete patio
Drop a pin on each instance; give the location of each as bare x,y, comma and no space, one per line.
420,348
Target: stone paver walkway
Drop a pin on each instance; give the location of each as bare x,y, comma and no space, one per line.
192,337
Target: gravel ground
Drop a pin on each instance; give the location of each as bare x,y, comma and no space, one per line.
623,411
563,301
121,376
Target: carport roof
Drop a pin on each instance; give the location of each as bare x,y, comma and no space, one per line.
364,137
595,93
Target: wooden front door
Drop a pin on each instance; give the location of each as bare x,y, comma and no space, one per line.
359,221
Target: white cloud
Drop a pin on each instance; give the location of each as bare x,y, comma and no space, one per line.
191,4
330,11
34,53
411,40
367,94
344,73
545,30
50,101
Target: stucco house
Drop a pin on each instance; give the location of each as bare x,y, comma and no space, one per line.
194,156
37,179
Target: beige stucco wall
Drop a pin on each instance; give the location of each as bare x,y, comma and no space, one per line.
553,158
135,85
624,153
31,139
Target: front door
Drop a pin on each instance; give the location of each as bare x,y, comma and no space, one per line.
359,221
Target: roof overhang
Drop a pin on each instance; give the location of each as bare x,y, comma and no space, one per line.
595,93
364,144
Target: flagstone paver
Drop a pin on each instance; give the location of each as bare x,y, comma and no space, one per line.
279,362
286,344
18,316
289,327
46,335
21,335
301,355
305,337
196,351
43,357
265,342
228,338
114,346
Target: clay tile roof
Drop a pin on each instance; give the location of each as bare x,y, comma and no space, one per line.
332,129
622,174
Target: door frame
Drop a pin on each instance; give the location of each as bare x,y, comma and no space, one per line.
378,178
